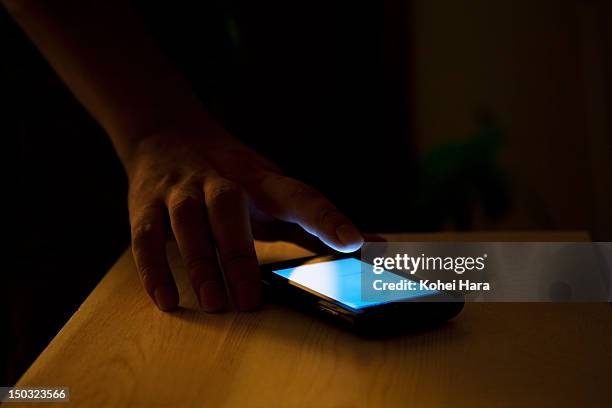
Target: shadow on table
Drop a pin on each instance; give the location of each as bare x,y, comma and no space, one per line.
282,323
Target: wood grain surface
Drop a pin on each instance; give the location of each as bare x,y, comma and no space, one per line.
119,350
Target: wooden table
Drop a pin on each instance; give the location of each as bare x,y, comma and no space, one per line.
119,350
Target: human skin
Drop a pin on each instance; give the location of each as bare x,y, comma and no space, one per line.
186,174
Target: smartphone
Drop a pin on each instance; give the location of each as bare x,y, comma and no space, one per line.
331,287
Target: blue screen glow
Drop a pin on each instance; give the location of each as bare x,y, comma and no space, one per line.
340,280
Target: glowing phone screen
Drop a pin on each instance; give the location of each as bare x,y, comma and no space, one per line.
340,280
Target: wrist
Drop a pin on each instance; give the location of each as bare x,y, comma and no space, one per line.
136,142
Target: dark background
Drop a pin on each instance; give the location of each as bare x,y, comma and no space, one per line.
487,116
68,213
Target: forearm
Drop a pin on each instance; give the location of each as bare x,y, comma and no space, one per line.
101,50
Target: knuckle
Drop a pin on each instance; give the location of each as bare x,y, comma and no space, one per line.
167,181
326,215
302,192
182,203
141,232
222,192
194,178
141,196
147,274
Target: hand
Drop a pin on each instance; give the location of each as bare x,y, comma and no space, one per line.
214,191
217,195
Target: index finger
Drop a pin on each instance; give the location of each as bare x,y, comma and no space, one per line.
293,201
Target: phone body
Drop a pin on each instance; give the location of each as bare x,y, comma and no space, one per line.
331,286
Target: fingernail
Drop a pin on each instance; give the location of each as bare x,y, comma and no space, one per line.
349,237
166,297
248,295
212,296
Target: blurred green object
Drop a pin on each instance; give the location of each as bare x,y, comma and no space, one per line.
457,178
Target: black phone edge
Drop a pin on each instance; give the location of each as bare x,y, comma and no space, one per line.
379,320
